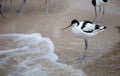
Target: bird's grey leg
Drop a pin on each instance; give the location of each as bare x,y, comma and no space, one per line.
5,2
86,44
103,14
0,1
54,4
99,9
20,10
1,12
103,11
11,1
95,14
80,59
47,2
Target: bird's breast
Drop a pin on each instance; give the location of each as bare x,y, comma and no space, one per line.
76,31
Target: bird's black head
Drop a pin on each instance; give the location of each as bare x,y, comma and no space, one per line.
74,21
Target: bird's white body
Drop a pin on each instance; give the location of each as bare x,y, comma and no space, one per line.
100,3
76,29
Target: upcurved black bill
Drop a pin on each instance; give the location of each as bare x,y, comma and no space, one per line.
66,27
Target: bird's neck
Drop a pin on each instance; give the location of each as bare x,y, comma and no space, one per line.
75,25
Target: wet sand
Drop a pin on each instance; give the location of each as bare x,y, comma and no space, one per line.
67,46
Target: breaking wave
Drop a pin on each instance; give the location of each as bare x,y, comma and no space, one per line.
31,55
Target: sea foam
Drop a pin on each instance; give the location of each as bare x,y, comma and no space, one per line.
31,55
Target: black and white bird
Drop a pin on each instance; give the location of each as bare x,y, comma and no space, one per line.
85,29
101,5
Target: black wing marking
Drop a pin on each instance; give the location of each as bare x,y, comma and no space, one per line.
84,25
85,22
88,31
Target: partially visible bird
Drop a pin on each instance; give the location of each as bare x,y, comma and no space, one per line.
21,8
85,29
101,5
47,3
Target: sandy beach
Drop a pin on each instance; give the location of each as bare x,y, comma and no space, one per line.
103,54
